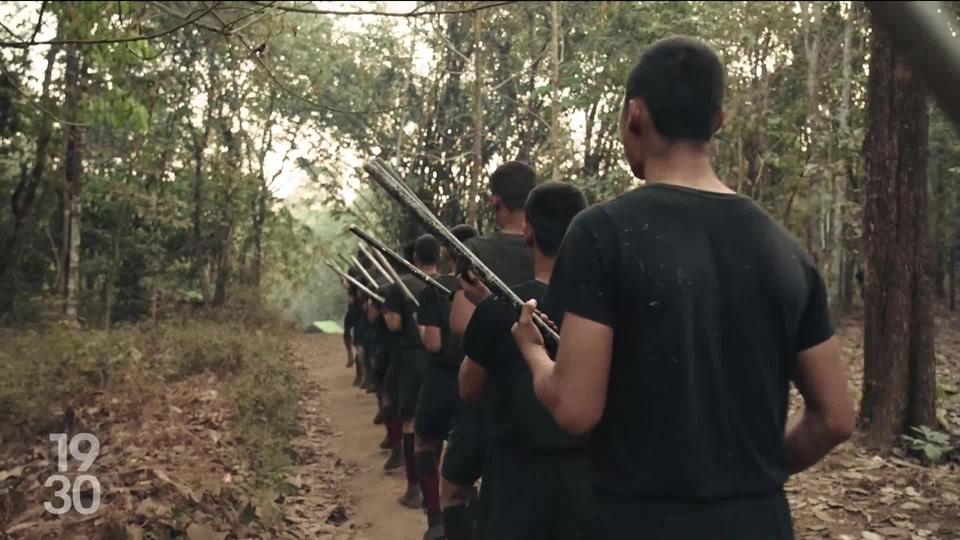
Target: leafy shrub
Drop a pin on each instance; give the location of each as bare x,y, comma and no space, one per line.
931,444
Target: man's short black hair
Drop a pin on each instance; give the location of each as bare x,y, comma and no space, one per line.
681,81
549,210
408,250
512,182
427,250
463,232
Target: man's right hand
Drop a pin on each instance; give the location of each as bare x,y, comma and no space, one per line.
473,289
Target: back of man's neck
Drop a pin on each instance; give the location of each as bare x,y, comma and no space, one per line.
542,266
684,167
511,223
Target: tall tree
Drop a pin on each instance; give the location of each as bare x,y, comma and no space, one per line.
74,132
899,384
555,143
27,194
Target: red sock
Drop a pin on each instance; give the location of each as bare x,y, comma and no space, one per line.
394,431
429,481
409,459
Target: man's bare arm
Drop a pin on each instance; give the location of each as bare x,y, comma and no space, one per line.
430,335
461,310
574,389
828,417
472,380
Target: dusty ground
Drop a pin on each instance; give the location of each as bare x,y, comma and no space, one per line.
373,511
170,469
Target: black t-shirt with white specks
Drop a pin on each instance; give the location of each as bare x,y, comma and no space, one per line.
710,301
507,256
521,420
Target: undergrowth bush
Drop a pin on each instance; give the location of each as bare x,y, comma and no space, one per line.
42,372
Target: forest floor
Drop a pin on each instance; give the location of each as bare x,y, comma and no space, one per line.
170,467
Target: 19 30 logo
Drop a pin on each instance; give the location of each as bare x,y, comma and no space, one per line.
84,448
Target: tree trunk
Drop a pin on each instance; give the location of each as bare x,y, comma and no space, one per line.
899,384
837,220
197,236
259,219
555,91
952,272
26,195
473,194
811,12
73,177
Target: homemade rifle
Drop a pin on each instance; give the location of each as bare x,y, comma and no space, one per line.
370,280
396,277
376,263
359,285
418,273
383,176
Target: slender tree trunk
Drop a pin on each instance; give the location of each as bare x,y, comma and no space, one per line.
473,194
555,94
199,257
111,279
811,21
952,272
840,180
899,385
73,178
260,217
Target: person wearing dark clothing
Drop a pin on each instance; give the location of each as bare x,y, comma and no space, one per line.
538,473
685,312
505,253
350,320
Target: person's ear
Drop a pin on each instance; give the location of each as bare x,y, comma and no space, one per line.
495,202
718,119
528,234
637,116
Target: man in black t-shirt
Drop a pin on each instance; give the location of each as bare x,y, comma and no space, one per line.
438,393
405,373
505,252
686,313
538,472
349,321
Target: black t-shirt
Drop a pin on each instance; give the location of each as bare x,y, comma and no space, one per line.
398,302
506,255
521,420
351,319
435,311
710,300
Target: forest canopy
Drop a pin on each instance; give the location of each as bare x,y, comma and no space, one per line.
157,154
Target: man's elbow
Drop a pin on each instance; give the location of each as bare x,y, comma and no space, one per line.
470,392
840,425
576,420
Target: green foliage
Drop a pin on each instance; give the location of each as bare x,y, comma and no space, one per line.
932,445
184,133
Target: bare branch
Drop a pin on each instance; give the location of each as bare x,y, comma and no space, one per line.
192,19
36,29
413,13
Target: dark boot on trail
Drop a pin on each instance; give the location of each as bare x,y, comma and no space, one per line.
434,527
412,498
378,419
356,378
385,443
395,461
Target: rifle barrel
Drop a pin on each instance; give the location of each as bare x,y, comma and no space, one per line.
418,273
359,285
382,175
